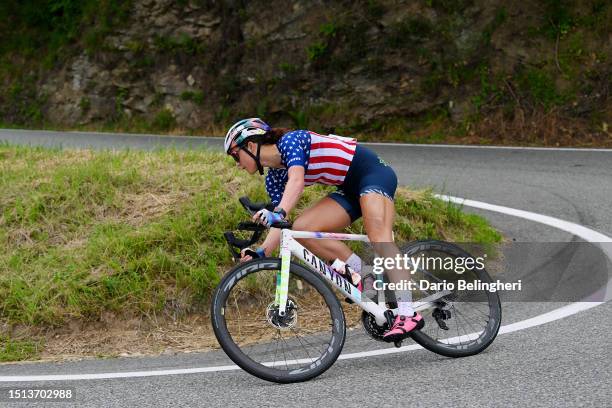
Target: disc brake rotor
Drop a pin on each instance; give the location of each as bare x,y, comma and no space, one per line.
288,321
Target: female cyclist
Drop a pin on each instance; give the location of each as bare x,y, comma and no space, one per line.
365,188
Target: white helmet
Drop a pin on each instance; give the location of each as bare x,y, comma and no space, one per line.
242,130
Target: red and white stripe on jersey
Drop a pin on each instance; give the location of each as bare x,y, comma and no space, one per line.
330,159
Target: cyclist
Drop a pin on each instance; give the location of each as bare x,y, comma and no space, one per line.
365,188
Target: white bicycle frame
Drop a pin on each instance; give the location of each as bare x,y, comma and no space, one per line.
290,246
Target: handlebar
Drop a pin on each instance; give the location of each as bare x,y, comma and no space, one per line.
252,208
257,229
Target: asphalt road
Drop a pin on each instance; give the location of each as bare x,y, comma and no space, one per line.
566,362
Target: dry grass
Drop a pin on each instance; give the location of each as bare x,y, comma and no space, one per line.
538,128
113,336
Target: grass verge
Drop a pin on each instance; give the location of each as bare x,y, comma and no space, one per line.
17,350
104,235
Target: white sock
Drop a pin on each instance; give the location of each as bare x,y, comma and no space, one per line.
354,261
404,302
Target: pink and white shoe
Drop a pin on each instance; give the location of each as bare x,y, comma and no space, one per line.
402,327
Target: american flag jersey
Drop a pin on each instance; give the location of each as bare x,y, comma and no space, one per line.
326,160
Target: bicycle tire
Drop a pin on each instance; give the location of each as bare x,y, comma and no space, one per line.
490,330
218,318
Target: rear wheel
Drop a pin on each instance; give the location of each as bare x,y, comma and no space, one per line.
295,347
462,323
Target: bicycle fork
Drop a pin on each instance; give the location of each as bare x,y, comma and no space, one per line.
282,276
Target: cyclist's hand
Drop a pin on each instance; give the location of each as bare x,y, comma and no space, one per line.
244,257
247,254
267,217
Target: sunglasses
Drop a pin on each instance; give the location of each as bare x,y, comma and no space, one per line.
234,154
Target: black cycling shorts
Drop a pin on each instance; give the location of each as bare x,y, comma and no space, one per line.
367,174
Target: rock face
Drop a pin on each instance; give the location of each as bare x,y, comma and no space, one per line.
354,65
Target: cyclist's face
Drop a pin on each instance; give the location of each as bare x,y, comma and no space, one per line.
243,160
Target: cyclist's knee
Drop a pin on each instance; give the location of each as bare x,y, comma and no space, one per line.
302,224
377,232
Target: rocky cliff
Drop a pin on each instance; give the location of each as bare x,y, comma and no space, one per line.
402,70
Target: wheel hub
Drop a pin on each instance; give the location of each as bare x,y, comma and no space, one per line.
288,321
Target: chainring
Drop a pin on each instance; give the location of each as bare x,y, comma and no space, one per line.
371,327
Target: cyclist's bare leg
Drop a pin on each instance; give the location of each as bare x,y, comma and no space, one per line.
378,216
325,216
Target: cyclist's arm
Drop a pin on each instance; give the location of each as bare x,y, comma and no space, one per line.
293,188
272,241
291,195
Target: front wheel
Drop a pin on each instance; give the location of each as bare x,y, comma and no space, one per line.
461,323
295,347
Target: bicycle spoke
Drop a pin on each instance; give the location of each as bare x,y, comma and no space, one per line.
306,350
460,315
283,348
275,351
321,346
302,335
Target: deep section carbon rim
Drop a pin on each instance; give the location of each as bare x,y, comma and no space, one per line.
462,323
295,347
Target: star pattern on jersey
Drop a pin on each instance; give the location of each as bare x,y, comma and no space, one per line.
294,148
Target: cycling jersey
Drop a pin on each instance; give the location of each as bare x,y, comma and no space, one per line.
326,160
332,160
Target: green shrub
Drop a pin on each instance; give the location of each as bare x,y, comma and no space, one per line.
316,51
183,43
540,86
164,120
195,96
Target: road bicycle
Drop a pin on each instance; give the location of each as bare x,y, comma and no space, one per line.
280,320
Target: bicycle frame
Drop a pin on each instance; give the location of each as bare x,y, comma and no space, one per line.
290,246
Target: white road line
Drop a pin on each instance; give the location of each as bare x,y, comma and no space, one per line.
583,232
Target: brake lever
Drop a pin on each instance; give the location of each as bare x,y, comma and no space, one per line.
234,242
256,228
231,241
251,253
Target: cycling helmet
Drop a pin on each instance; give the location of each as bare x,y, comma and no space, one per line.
242,131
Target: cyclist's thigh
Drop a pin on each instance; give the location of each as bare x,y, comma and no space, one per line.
325,216
378,213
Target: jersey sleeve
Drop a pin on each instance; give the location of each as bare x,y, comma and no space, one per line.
276,179
294,148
